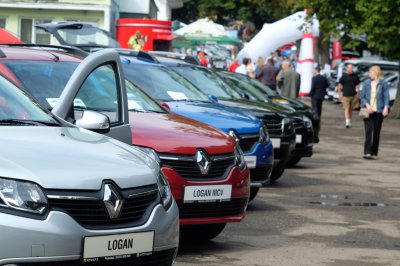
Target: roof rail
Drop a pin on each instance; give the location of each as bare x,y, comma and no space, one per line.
62,48
184,57
130,52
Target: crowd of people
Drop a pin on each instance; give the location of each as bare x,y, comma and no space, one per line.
280,75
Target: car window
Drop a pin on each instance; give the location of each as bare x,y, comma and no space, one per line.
162,83
139,101
99,93
243,87
15,104
86,36
207,81
44,80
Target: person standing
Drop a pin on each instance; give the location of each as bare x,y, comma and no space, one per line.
202,58
375,97
288,80
319,85
242,69
250,68
267,74
233,66
258,66
348,90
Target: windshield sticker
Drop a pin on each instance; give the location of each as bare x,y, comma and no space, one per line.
177,95
134,105
77,102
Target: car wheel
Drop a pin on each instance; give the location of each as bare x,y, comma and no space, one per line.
201,232
293,161
277,171
253,193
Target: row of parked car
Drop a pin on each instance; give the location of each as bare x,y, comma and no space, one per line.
115,155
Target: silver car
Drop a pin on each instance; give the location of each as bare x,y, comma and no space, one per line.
69,196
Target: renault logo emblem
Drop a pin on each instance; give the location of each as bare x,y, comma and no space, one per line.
112,201
203,162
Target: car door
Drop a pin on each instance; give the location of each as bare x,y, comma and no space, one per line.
98,85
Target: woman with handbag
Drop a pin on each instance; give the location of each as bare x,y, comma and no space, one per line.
375,98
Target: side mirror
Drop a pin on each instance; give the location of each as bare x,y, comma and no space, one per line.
94,121
212,98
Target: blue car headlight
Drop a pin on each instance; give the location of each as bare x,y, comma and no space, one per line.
264,136
239,157
22,196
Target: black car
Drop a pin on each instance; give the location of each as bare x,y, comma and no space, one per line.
304,127
269,94
279,124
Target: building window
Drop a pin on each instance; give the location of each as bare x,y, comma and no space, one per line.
2,23
30,34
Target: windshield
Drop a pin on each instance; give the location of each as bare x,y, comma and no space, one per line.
163,84
207,81
16,105
138,101
251,92
87,36
258,85
44,80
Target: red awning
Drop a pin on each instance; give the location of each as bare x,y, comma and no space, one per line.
8,37
166,37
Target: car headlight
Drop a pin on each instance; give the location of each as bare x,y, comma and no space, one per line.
165,191
287,125
307,121
233,134
151,153
22,196
239,157
264,136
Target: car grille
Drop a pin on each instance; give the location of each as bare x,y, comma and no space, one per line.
89,210
247,142
159,258
211,209
188,169
274,126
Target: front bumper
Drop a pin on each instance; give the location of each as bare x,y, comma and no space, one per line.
283,151
60,238
232,210
259,175
304,143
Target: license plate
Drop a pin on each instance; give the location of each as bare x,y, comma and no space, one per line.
112,247
251,161
299,138
207,193
276,143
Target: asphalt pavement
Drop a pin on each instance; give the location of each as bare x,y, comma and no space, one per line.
334,209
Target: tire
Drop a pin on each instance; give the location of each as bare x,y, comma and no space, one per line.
201,232
293,161
253,193
277,172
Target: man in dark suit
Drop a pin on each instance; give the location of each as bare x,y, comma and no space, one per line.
319,85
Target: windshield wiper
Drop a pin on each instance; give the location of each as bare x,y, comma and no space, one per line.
24,122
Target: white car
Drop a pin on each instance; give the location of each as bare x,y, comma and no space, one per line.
69,196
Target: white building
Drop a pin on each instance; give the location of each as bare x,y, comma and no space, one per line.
154,9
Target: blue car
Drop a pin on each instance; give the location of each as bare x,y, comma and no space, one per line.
181,97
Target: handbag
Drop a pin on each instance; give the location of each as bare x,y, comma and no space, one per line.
364,113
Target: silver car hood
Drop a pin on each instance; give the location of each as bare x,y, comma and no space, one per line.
71,158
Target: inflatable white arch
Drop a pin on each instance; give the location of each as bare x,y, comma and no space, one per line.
272,36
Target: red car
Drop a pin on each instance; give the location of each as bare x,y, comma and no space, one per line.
205,168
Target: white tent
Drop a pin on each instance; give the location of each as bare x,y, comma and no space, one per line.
272,36
202,26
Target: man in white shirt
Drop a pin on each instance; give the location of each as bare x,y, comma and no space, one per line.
242,69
